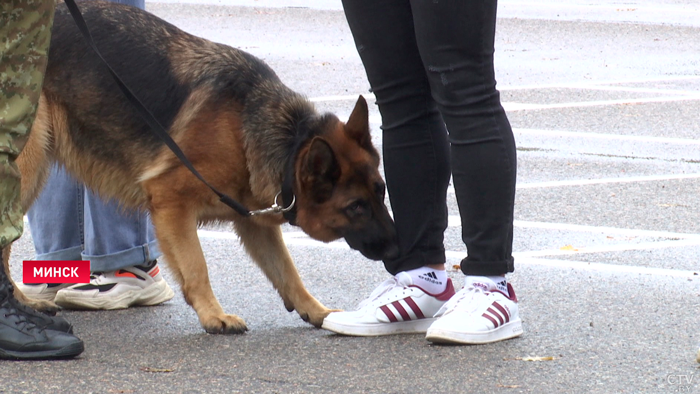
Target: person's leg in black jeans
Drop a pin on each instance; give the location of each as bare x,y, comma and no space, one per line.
415,146
456,43
429,64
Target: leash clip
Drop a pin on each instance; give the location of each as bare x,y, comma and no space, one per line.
274,208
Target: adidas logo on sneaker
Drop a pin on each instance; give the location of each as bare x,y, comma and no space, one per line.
431,278
502,286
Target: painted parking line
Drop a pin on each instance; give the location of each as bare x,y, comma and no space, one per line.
609,137
618,85
609,248
511,107
517,107
661,95
454,221
602,181
298,238
674,240
610,268
593,83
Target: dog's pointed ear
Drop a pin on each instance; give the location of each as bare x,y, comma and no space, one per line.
357,126
319,170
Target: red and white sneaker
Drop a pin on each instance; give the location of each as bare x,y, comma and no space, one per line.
136,285
397,306
476,315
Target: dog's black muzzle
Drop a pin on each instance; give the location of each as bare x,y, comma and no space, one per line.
376,242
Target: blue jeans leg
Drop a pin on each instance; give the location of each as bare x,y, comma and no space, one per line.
70,223
56,219
116,238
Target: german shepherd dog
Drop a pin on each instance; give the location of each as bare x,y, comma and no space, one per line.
239,125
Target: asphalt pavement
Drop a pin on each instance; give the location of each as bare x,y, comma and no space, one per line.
604,99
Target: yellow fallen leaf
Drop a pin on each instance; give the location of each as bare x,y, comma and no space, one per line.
537,358
568,247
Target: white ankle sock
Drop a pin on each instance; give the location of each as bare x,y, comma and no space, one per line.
488,283
431,280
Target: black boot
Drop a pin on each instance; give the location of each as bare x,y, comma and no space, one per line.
55,323
25,333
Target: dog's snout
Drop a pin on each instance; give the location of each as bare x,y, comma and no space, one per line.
383,246
391,252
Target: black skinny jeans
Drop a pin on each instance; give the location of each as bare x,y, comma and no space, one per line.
430,65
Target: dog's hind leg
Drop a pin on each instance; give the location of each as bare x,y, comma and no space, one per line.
34,162
266,246
176,229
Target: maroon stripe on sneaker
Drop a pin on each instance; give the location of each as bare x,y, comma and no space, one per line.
503,311
495,323
495,314
404,315
414,307
389,314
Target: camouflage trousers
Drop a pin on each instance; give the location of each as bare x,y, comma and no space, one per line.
25,34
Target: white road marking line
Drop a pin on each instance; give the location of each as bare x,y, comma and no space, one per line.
602,181
586,84
633,89
523,258
455,221
514,107
298,238
621,137
598,181
610,248
602,267
579,85
680,9
582,104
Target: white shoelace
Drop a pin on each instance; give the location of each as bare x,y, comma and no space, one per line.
382,289
464,301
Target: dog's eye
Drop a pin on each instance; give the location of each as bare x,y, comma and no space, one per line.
355,209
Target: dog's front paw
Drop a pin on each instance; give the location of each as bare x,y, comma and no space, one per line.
317,318
47,307
224,324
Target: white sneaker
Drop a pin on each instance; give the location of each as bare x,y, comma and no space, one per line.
395,307
137,285
475,316
42,291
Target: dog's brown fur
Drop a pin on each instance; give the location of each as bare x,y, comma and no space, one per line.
239,126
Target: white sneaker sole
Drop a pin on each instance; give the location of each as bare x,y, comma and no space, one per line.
39,292
154,294
512,329
419,326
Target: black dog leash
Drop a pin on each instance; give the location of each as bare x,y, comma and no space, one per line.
160,131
